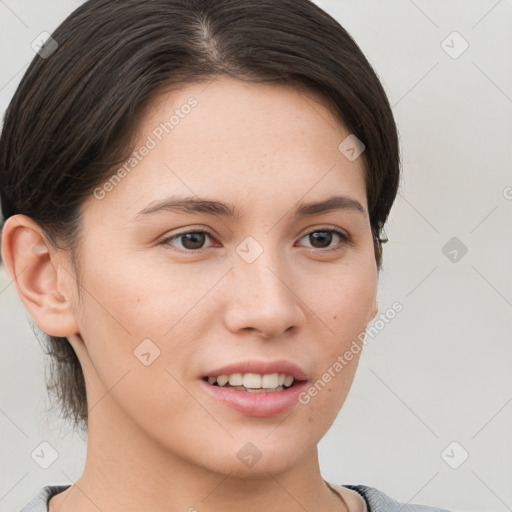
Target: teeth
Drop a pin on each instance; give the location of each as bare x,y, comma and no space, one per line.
288,380
222,380
273,390
254,382
270,381
236,379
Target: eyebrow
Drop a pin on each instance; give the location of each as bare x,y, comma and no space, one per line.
220,209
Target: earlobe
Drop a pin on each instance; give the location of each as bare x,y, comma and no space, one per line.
34,265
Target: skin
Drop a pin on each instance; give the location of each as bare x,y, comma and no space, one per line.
156,440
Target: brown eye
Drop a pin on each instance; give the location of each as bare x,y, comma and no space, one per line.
190,240
322,238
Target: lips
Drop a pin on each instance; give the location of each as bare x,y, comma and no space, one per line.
256,388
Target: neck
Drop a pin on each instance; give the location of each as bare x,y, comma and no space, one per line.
128,473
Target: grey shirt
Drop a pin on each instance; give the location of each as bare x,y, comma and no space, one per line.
376,501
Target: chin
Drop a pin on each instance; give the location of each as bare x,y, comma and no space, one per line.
256,454
259,469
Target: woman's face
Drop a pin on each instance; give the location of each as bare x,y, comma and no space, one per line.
270,288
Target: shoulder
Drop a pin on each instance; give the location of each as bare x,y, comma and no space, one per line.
39,502
377,501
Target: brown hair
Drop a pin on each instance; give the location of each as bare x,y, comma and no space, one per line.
75,113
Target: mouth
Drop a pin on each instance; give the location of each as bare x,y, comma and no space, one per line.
255,388
253,382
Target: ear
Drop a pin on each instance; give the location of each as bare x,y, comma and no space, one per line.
43,282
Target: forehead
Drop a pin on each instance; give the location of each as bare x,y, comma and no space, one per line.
263,144
227,114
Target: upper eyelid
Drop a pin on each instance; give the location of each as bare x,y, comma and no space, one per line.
209,232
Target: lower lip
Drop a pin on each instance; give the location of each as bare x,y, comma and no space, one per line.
260,405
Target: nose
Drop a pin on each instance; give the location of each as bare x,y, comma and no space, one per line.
262,297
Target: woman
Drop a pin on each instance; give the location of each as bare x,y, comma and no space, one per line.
194,193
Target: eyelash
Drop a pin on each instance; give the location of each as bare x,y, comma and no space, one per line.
344,237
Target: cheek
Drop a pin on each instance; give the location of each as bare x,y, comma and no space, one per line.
343,308
142,324
133,300
344,303
124,325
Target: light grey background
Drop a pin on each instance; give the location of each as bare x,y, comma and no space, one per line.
440,371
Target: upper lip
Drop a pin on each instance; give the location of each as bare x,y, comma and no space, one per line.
261,367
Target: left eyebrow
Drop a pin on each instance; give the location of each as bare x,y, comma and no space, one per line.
220,209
